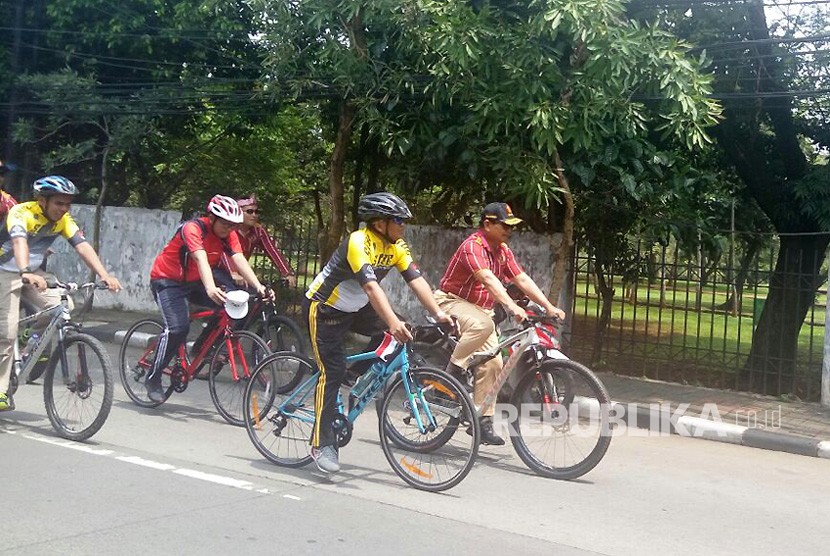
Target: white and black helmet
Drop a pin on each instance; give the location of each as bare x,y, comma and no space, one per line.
382,205
54,185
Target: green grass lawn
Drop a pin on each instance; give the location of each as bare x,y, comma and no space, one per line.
679,343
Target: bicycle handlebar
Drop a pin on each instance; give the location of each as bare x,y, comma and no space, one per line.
541,319
72,287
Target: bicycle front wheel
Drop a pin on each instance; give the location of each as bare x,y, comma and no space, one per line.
280,423
421,429
231,367
135,359
77,388
561,428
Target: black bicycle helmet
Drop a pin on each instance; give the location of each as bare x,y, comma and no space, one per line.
382,205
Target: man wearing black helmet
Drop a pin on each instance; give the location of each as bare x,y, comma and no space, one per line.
346,296
30,228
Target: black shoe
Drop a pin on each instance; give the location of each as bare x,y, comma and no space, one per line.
461,374
154,391
488,435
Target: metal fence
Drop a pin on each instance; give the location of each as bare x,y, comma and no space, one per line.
298,242
677,317
672,316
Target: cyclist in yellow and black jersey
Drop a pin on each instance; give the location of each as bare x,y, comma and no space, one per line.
346,296
29,230
365,256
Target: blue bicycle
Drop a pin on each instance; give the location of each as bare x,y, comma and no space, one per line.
427,427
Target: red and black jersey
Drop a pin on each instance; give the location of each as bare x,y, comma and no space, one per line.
175,263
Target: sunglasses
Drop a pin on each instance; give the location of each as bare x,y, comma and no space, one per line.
253,211
397,220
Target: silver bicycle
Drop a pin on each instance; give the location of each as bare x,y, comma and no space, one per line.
77,378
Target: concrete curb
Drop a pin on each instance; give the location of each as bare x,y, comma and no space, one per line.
137,339
654,419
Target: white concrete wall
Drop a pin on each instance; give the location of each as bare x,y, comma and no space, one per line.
132,237
130,240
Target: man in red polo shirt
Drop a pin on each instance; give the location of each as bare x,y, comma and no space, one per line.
471,286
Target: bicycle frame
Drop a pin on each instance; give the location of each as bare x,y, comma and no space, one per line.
56,329
398,361
521,342
191,367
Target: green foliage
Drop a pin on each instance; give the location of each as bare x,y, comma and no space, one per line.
478,103
813,192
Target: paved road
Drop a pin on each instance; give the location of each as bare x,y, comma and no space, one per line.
180,480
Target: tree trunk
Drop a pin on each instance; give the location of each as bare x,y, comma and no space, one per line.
336,188
606,293
99,205
357,186
733,304
561,255
770,368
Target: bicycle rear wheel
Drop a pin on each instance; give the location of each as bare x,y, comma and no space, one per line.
77,390
441,456
280,424
135,359
562,425
234,359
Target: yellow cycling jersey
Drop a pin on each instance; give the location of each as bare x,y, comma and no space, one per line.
27,220
362,257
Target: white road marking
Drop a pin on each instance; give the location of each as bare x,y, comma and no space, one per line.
146,463
69,444
211,478
159,466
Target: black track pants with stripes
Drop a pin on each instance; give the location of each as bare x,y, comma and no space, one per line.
327,328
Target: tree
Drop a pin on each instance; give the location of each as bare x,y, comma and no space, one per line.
773,134
78,131
494,100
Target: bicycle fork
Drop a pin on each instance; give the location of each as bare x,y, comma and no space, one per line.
417,399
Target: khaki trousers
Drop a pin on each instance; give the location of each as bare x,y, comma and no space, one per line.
11,290
478,333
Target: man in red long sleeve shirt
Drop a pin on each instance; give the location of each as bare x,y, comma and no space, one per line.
252,236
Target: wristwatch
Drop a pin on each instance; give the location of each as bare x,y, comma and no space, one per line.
25,270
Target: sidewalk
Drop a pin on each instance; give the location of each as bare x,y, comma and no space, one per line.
739,418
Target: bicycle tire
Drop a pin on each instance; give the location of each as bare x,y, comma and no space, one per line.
84,389
422,354
414,443
282,437
281,334
141,336
586,393
431,469
227,392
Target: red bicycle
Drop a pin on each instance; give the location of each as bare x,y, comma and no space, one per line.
232,355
